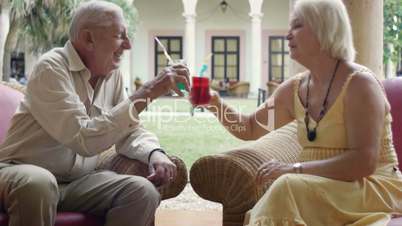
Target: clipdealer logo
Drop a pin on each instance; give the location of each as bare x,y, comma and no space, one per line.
162,115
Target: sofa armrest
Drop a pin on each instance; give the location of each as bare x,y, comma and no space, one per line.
15,86
239,84
240,88
111,160
229,178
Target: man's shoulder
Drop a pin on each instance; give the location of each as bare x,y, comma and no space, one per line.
55,59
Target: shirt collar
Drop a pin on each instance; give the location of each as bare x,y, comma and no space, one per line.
74,60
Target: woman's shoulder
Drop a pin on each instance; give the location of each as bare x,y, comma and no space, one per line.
359,76
361,71
363,83
286,90
292,81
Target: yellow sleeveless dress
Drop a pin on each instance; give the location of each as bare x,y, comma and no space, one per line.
302,199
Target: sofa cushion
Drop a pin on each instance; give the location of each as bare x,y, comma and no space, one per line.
393,89
66,219
9,100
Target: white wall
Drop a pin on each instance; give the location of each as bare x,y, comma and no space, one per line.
212,21
275,22
155,16
276,14
165,16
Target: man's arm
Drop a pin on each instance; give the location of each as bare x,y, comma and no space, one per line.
167,80
53,101
140,142
143,145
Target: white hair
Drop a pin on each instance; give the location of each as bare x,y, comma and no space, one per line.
330,22
91,14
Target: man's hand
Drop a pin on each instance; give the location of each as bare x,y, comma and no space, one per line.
162,169
183,75
168,79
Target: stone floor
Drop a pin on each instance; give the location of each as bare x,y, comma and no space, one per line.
188,209
189,200
167,217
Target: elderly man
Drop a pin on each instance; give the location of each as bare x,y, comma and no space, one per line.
76,108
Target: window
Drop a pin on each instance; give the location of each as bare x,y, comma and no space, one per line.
278,51
17,65
174,46
225,58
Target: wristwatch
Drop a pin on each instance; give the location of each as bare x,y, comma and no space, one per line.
297,168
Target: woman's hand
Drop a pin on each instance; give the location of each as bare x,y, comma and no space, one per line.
215,98
214,101
272,170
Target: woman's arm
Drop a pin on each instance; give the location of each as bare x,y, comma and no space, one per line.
274,113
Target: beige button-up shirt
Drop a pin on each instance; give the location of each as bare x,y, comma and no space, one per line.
63,124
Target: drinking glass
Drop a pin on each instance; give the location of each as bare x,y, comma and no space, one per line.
177,62
199,93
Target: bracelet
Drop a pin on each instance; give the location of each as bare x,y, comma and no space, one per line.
297,168
156,149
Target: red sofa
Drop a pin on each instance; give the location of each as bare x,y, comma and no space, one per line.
237,190
9,100
393,88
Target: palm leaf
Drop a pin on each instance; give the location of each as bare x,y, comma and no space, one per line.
45,23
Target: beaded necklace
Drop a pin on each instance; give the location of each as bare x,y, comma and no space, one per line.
312,134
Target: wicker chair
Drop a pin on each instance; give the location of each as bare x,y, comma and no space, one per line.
271,86
229,178
9,99
239,89
234,88
215,85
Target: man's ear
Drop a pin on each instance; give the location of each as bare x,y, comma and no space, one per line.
87,38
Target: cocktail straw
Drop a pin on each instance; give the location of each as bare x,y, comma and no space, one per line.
204,66
164,50
207,58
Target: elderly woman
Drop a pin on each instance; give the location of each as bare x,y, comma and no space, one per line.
347,174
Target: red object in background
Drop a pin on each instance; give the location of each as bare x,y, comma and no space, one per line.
393,89
199,94
67,219
9,100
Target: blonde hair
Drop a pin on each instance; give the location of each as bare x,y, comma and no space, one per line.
330,22
93,13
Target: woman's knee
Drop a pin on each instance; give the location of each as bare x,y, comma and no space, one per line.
285,183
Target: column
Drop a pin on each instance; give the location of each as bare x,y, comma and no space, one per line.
189,37
294,66
256,32
4,28
367,18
